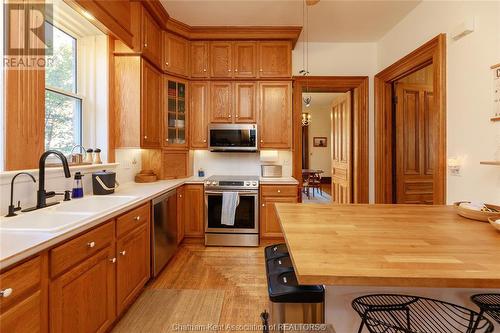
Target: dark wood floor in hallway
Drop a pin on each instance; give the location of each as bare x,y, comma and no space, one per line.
230,280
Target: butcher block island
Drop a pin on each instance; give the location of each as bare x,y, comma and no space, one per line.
360,249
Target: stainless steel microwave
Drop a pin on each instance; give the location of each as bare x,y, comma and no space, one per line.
232,137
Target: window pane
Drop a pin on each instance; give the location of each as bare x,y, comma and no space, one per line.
63,117
61,70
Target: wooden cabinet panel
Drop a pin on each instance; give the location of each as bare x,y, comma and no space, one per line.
175,54
151,92
199,107
221,102
151,38
279,190
132,219
245,59
199,59
269,223
275,114
176,164
25,309
180,214
194,208
74,251
275,59
245,102
26,316
221,59
83,299
133,265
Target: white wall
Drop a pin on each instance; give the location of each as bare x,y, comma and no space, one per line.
470,134
320,157
344,59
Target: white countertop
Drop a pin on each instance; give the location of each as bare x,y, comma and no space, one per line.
18,245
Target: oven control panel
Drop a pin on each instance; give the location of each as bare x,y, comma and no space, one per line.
232,184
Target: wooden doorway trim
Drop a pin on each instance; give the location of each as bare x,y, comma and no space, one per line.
432,52
359,86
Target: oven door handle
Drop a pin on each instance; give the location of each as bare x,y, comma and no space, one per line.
240,192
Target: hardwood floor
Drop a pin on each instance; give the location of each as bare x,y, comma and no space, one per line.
237,271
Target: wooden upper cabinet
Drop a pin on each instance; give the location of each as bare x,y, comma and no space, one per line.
199,106
221,60
245,59
199,60
147,34
221,102
151,92
245,102
175,54
275,59
275,115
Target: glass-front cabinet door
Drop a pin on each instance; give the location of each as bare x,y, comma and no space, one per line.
175,119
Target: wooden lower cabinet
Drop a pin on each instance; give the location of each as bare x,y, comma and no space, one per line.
24,301
269,223
133,265
180,214
194,210
83,299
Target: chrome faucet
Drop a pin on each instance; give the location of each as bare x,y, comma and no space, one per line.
12,208
42,195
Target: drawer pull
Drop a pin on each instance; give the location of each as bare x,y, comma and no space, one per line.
6,292
123,252
279,191
113,260
91,244
263,205
137,218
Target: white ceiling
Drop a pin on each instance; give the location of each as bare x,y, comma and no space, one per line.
330,20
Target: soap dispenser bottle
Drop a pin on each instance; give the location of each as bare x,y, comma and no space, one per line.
77,186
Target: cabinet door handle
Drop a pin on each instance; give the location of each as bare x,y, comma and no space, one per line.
137,218
279,191
91,244
261,140
228,70
112,260
236,116
166,63
145,44
261,70
236,70
145,136
6,292
204,69
204,141
263,205
229,116
180,195
123,252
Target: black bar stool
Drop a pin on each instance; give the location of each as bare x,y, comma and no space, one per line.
489,304
389,313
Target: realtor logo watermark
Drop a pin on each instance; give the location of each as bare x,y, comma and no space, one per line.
28,35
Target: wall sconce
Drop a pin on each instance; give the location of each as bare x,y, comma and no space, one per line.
306,119
454,165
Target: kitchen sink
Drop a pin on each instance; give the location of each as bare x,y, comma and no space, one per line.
42,221
93,204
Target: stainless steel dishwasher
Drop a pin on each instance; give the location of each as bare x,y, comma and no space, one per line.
164,231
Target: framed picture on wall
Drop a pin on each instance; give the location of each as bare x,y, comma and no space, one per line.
320,141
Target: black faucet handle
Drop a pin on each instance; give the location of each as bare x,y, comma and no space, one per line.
50,194
67,195
18,206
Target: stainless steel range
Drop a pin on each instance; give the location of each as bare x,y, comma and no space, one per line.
245,229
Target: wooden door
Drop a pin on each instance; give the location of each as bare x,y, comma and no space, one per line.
221,59
180,214
275,115
151,38
415,144
83,299
133,269
275,59
245,59
199,106
221,102
245,102
175,53
341,150
151,93
194,208
269,223
199,59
